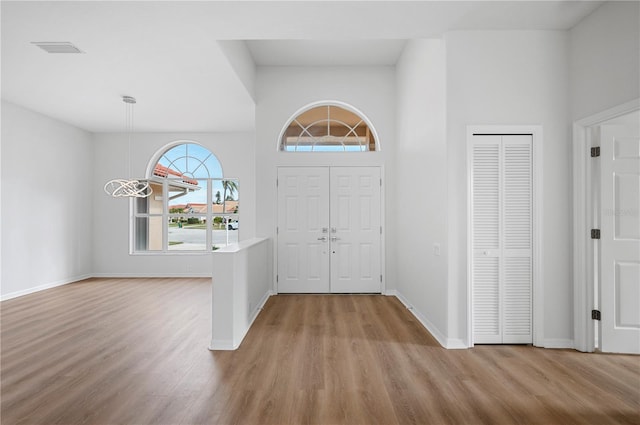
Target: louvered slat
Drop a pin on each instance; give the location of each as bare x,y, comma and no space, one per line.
517,196
517,299
486,309
486,201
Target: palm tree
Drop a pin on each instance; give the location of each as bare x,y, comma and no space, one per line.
230,186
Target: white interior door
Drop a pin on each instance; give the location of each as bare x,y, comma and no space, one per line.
620,238
329,230
501,238
303,230
355,229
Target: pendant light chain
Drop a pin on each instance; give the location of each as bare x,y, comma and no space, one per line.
130,188
129,130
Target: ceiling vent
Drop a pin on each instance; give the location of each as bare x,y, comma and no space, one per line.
57,47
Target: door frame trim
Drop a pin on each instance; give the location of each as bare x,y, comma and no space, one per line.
383,268
537,312
583,300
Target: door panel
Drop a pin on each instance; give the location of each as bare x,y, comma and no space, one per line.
517,213
355,231
620,238
487,304
303,223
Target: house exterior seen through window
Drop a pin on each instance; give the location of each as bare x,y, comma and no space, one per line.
192,208
328,128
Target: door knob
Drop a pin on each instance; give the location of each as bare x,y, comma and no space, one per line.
323,239
334,238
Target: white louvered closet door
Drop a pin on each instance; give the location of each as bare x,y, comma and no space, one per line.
501,238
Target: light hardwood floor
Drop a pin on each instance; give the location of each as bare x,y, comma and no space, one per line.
134,351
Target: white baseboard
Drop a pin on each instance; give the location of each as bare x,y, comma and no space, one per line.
254,315
223,345
448,343
558,343
259,308
456,344
43,287
62,282
149,275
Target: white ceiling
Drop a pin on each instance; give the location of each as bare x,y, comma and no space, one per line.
325,52
167,55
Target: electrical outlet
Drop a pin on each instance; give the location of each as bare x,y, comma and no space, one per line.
436,249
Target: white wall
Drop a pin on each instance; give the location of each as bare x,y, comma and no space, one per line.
421,164
1,223
47,213
605,59
235,151
241,61
281,91
513,78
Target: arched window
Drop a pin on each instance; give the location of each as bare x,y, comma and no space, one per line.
188,159
328,127
192,208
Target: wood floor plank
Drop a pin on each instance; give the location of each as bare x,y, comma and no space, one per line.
134,351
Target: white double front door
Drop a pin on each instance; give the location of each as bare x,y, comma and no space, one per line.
329,230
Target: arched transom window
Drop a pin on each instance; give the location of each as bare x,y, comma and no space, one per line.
192,208
328,128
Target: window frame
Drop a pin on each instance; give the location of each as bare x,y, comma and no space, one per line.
136,215
281,147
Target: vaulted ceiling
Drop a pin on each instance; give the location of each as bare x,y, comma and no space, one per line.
191,64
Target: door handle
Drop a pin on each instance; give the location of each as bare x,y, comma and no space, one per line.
323,239
334,238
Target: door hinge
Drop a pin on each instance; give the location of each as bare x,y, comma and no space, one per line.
277,182
380,182
380,229
595,233
380,278
595,151
595,314
277,278
277,230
